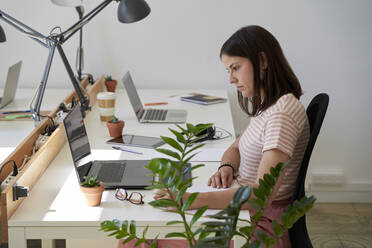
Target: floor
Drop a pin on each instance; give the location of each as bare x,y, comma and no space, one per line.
330,225
340,225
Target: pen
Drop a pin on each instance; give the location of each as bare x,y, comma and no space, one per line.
13,112
186,170
155,103
126,150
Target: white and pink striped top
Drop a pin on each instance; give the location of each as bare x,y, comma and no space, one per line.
283,126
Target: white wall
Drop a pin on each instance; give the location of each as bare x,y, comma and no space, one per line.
328,43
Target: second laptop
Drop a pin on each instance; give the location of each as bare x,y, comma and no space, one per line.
151,115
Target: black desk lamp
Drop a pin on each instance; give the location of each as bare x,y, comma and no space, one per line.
2,35
129,11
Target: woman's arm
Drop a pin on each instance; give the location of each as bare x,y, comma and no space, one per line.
232,155
224,176
221,199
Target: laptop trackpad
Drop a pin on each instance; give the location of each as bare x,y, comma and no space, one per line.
136,174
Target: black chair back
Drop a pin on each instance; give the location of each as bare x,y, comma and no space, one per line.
315,113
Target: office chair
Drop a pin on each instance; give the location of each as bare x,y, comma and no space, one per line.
315,113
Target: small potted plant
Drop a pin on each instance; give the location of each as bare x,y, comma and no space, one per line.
115,127
92,190
110,83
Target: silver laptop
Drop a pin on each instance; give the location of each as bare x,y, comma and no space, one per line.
10,84
130,174
151,115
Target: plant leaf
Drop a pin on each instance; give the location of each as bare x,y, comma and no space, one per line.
198,214
162,203
194,148
182,129
189,201
139,241
175,235
190,128
145,231
174,222
169,153
179,136
127,240
173,143
132,227
278,229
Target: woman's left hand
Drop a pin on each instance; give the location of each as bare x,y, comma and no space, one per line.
162,194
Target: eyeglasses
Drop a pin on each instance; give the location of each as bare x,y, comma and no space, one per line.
134,197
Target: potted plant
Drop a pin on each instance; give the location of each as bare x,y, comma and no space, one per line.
110,83
92,189
223,226
115,127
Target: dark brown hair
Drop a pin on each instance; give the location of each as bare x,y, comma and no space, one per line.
279,79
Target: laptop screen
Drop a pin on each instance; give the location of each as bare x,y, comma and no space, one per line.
78,141
132,94
11,83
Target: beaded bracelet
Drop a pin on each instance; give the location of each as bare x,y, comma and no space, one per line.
229,165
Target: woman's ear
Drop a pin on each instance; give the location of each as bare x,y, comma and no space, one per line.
263,60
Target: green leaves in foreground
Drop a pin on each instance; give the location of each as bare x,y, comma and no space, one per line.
126,231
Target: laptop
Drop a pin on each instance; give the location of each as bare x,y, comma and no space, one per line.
130,174
151,115
11,84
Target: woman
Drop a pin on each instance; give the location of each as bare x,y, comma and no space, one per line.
278,130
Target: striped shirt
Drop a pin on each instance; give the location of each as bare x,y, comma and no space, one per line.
283,126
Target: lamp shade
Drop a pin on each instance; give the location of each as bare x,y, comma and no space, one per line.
67,3
132,10
2,35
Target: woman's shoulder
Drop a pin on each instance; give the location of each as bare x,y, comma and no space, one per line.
288,105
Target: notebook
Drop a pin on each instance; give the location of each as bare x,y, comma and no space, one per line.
203,99
130,174
151,115
11,84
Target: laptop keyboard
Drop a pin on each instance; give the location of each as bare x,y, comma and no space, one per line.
111,172
155,114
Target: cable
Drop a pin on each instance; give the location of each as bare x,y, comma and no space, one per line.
53,34
220,137
15,169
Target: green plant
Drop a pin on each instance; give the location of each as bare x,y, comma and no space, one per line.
108,78
114,120
90,182
219,232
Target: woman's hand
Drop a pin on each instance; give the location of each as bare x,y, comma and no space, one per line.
222,178
161,194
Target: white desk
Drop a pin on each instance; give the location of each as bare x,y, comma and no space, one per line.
56,209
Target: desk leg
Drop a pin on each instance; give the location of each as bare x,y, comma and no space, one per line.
48,243
17,238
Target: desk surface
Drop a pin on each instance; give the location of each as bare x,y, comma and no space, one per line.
56,207
219,114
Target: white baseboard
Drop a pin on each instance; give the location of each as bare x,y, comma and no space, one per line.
348,192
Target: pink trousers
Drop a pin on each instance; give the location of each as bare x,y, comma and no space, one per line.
271,213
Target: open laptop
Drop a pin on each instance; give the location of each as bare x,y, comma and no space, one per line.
151,115
11,84
130,174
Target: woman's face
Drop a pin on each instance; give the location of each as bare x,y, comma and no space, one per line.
240,70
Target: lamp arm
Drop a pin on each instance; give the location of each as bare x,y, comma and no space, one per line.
84,102
35,111
33,34
84,20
